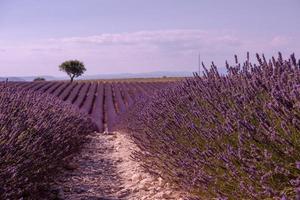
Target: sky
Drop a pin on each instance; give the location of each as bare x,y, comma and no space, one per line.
133,36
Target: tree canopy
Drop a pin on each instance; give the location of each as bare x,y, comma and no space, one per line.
74,68
39,79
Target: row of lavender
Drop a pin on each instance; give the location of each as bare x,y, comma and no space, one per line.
37,133
104,102
233,136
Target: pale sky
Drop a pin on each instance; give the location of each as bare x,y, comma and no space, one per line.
130,36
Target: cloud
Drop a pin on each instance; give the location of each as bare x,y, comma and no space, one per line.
184,38
45,49
280,41
140,51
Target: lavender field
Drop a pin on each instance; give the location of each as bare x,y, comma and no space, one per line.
43,124
38,132
149,100
104,101
213,136
233,136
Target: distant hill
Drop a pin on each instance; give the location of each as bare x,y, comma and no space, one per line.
139,75
11,79
48,78
107,76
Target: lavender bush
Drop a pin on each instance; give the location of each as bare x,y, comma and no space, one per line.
233,136
37,132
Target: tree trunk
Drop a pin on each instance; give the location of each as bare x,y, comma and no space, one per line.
72,78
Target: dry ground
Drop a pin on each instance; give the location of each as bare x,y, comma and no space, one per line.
105,170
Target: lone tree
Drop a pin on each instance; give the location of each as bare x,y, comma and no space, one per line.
39,79
74,68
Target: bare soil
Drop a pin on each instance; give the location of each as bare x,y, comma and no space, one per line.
105,170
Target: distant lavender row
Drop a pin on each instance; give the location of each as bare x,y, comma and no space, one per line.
37,131
234,136
116,97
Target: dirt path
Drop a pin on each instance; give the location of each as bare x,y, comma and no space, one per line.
104,170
